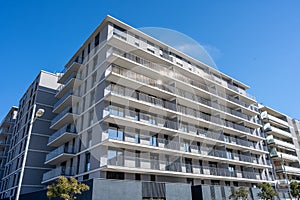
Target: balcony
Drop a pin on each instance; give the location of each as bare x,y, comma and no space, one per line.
68,99
62,136
276,131
272,141
127,59
66,73
72,81
279,155
127,117
126,41
65,117
188,150
176,168
288,169
289,157
143,118
170,89
57,172
59,155
132,94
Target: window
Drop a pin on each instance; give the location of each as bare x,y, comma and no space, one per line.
115,175
154,161
183,127
92,97
117,111
94,78
188,165
89,48
115,157
87,162
226,138
85,86
138,177
152,120
231,170
87,70
153,140
229,154
137,159
186,145
152,177
89,138
97,37
116,133
78,164
91,117
137,137
82,122
95,61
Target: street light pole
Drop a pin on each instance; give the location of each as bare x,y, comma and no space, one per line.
34,116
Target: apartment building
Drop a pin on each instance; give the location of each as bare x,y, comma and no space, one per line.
281,135
25,166
6,130
133,108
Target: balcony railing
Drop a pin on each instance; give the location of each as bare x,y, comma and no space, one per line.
146,80
139,116
190,148
153,164
63,98
123,91
60,171
65,129
126,92
153,120
132,40
175,75
68,110
58,151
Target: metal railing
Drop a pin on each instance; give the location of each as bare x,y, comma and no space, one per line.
140,116
177,166
191,148
63,113
151,82
66,129
58,151
59,171
170,73
129,38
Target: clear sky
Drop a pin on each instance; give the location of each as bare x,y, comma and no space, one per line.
256,42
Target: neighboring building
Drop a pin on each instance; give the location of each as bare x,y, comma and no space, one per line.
6,130
25,172
282,139
133,108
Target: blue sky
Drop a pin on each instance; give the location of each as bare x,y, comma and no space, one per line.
256,42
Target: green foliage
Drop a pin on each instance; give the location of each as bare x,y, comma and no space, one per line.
295,189
66,188
241,193
267,191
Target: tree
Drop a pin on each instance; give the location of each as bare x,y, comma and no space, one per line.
267,191
241,193
295,189
66,188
